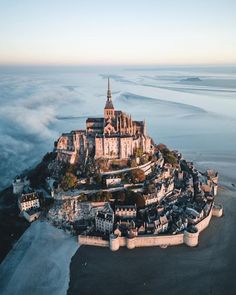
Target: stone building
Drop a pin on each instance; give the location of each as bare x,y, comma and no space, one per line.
156,197
112,180
125,211
104,222
116,135
28,201
72,146
104,219
19,183
31,214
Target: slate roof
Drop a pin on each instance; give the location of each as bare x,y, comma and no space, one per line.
109,104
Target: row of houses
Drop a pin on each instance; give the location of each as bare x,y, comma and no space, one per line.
104,219
162,190
171,210
126,222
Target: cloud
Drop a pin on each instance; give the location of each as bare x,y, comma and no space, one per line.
28,119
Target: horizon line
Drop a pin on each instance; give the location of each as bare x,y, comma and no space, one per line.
114,64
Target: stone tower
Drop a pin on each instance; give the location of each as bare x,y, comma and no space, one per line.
109,111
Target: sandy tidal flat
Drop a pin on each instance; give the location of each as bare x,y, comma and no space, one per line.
39,262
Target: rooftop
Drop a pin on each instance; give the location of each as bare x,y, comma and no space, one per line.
29,197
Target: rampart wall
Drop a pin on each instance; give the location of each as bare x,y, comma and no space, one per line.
92,241
187,237
145,167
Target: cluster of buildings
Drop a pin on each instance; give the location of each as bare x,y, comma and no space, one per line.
180,197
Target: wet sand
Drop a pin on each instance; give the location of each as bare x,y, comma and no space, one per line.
207,269
39,262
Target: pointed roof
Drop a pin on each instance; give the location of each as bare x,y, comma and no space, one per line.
109,104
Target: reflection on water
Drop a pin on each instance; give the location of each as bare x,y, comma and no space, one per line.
38,103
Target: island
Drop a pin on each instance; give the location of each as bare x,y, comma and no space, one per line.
112,186
191,79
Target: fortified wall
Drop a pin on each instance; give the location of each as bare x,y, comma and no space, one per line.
187,237
145,167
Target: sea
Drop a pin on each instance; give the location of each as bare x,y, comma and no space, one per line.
189,108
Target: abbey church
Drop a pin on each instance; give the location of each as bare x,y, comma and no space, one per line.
115,135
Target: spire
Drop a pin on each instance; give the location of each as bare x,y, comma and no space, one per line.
108,90
109,104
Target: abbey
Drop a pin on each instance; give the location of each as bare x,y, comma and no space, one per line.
115,135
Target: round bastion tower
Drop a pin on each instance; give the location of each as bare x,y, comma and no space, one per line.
130,242
114,242
191,236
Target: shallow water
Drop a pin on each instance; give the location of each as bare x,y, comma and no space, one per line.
39,103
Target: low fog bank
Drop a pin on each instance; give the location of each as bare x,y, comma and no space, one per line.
38,104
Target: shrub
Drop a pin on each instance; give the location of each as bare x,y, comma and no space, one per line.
168,155
138,175
138,152
38,175
68,181
133,163
161,147
140,203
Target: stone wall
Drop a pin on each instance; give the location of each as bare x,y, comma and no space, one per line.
145,167
149,241
187,237
146,241
205,222
92,241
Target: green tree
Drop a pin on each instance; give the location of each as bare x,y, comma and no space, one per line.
144,159
133,163
139,152
83,197
38,175
131,198
139,200
150,188
106,196
68,181
98,178
161,147
121,196
71,168
138,175
168,155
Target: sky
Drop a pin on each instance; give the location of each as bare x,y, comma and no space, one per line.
94,32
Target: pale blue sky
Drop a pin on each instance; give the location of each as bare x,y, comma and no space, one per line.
117,32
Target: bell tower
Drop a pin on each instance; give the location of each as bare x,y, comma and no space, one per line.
109,111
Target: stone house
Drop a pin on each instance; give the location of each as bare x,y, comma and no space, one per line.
126,211
28,201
